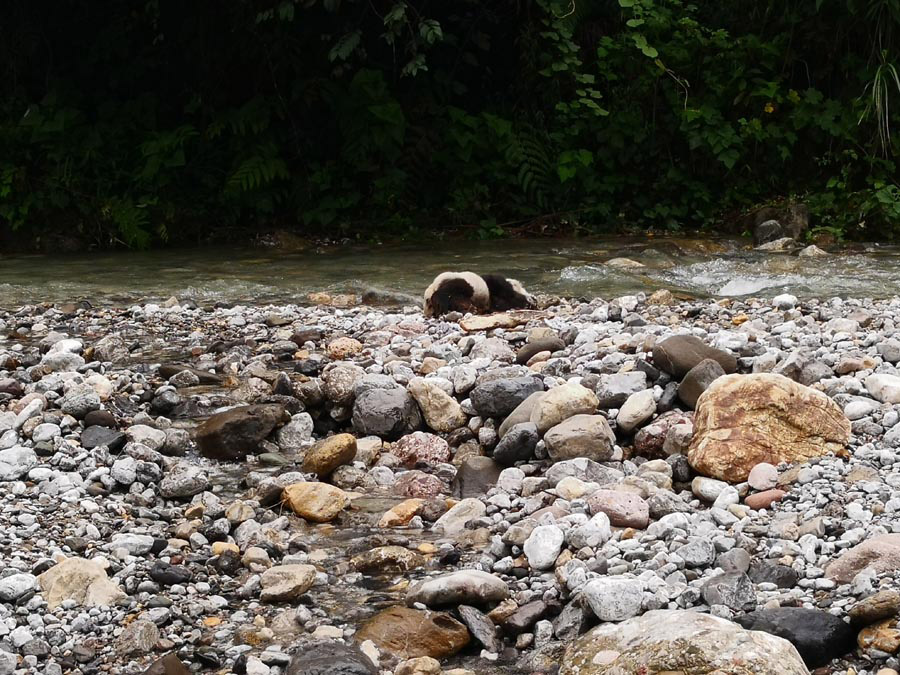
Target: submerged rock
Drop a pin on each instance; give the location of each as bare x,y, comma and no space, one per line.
237,432
410,633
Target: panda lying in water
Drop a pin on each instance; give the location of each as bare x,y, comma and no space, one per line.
478,294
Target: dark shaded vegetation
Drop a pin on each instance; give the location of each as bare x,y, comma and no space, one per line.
138,123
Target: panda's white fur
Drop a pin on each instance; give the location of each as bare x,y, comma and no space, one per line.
481,297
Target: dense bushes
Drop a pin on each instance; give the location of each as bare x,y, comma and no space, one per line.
135,123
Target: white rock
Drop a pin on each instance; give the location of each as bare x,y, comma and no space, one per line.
885,388
15,462
593,533
146,435
543,546
763,476
15,586
454,521
614,598
784,301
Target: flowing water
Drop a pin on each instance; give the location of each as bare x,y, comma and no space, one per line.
696,267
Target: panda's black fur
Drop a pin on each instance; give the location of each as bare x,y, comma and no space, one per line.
479,294
504,295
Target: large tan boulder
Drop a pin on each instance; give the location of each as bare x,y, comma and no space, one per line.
410,633
680,641
316,502
742,420
84,581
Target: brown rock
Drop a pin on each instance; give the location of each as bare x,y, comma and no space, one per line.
237,432
327,455
882,636
882,553
882,605
764,499
317,502
284,583
410,633
624,509
475,323
167,665
678,354
343,347
418,484
649,440
743,420
420,446
387,559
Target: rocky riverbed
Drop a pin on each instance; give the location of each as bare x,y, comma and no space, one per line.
636,485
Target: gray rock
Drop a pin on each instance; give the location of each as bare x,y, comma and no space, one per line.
580,436
471,587
585,469
95,436
732,589
387,413
614,389
675,640
475,477
699,552
79,401
697,380
15,462
481,628
517,444
138,638
330,658
183,480
498,398
14,586
613,598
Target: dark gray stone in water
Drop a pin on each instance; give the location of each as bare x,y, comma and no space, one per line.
517,445
498,398
274,459
475,477
818,636
481,628
168,370
386,413
330,658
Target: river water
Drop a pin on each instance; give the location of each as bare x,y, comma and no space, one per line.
695,267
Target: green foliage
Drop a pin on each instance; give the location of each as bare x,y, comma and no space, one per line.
142,125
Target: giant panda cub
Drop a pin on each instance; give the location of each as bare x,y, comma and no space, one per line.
478,294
